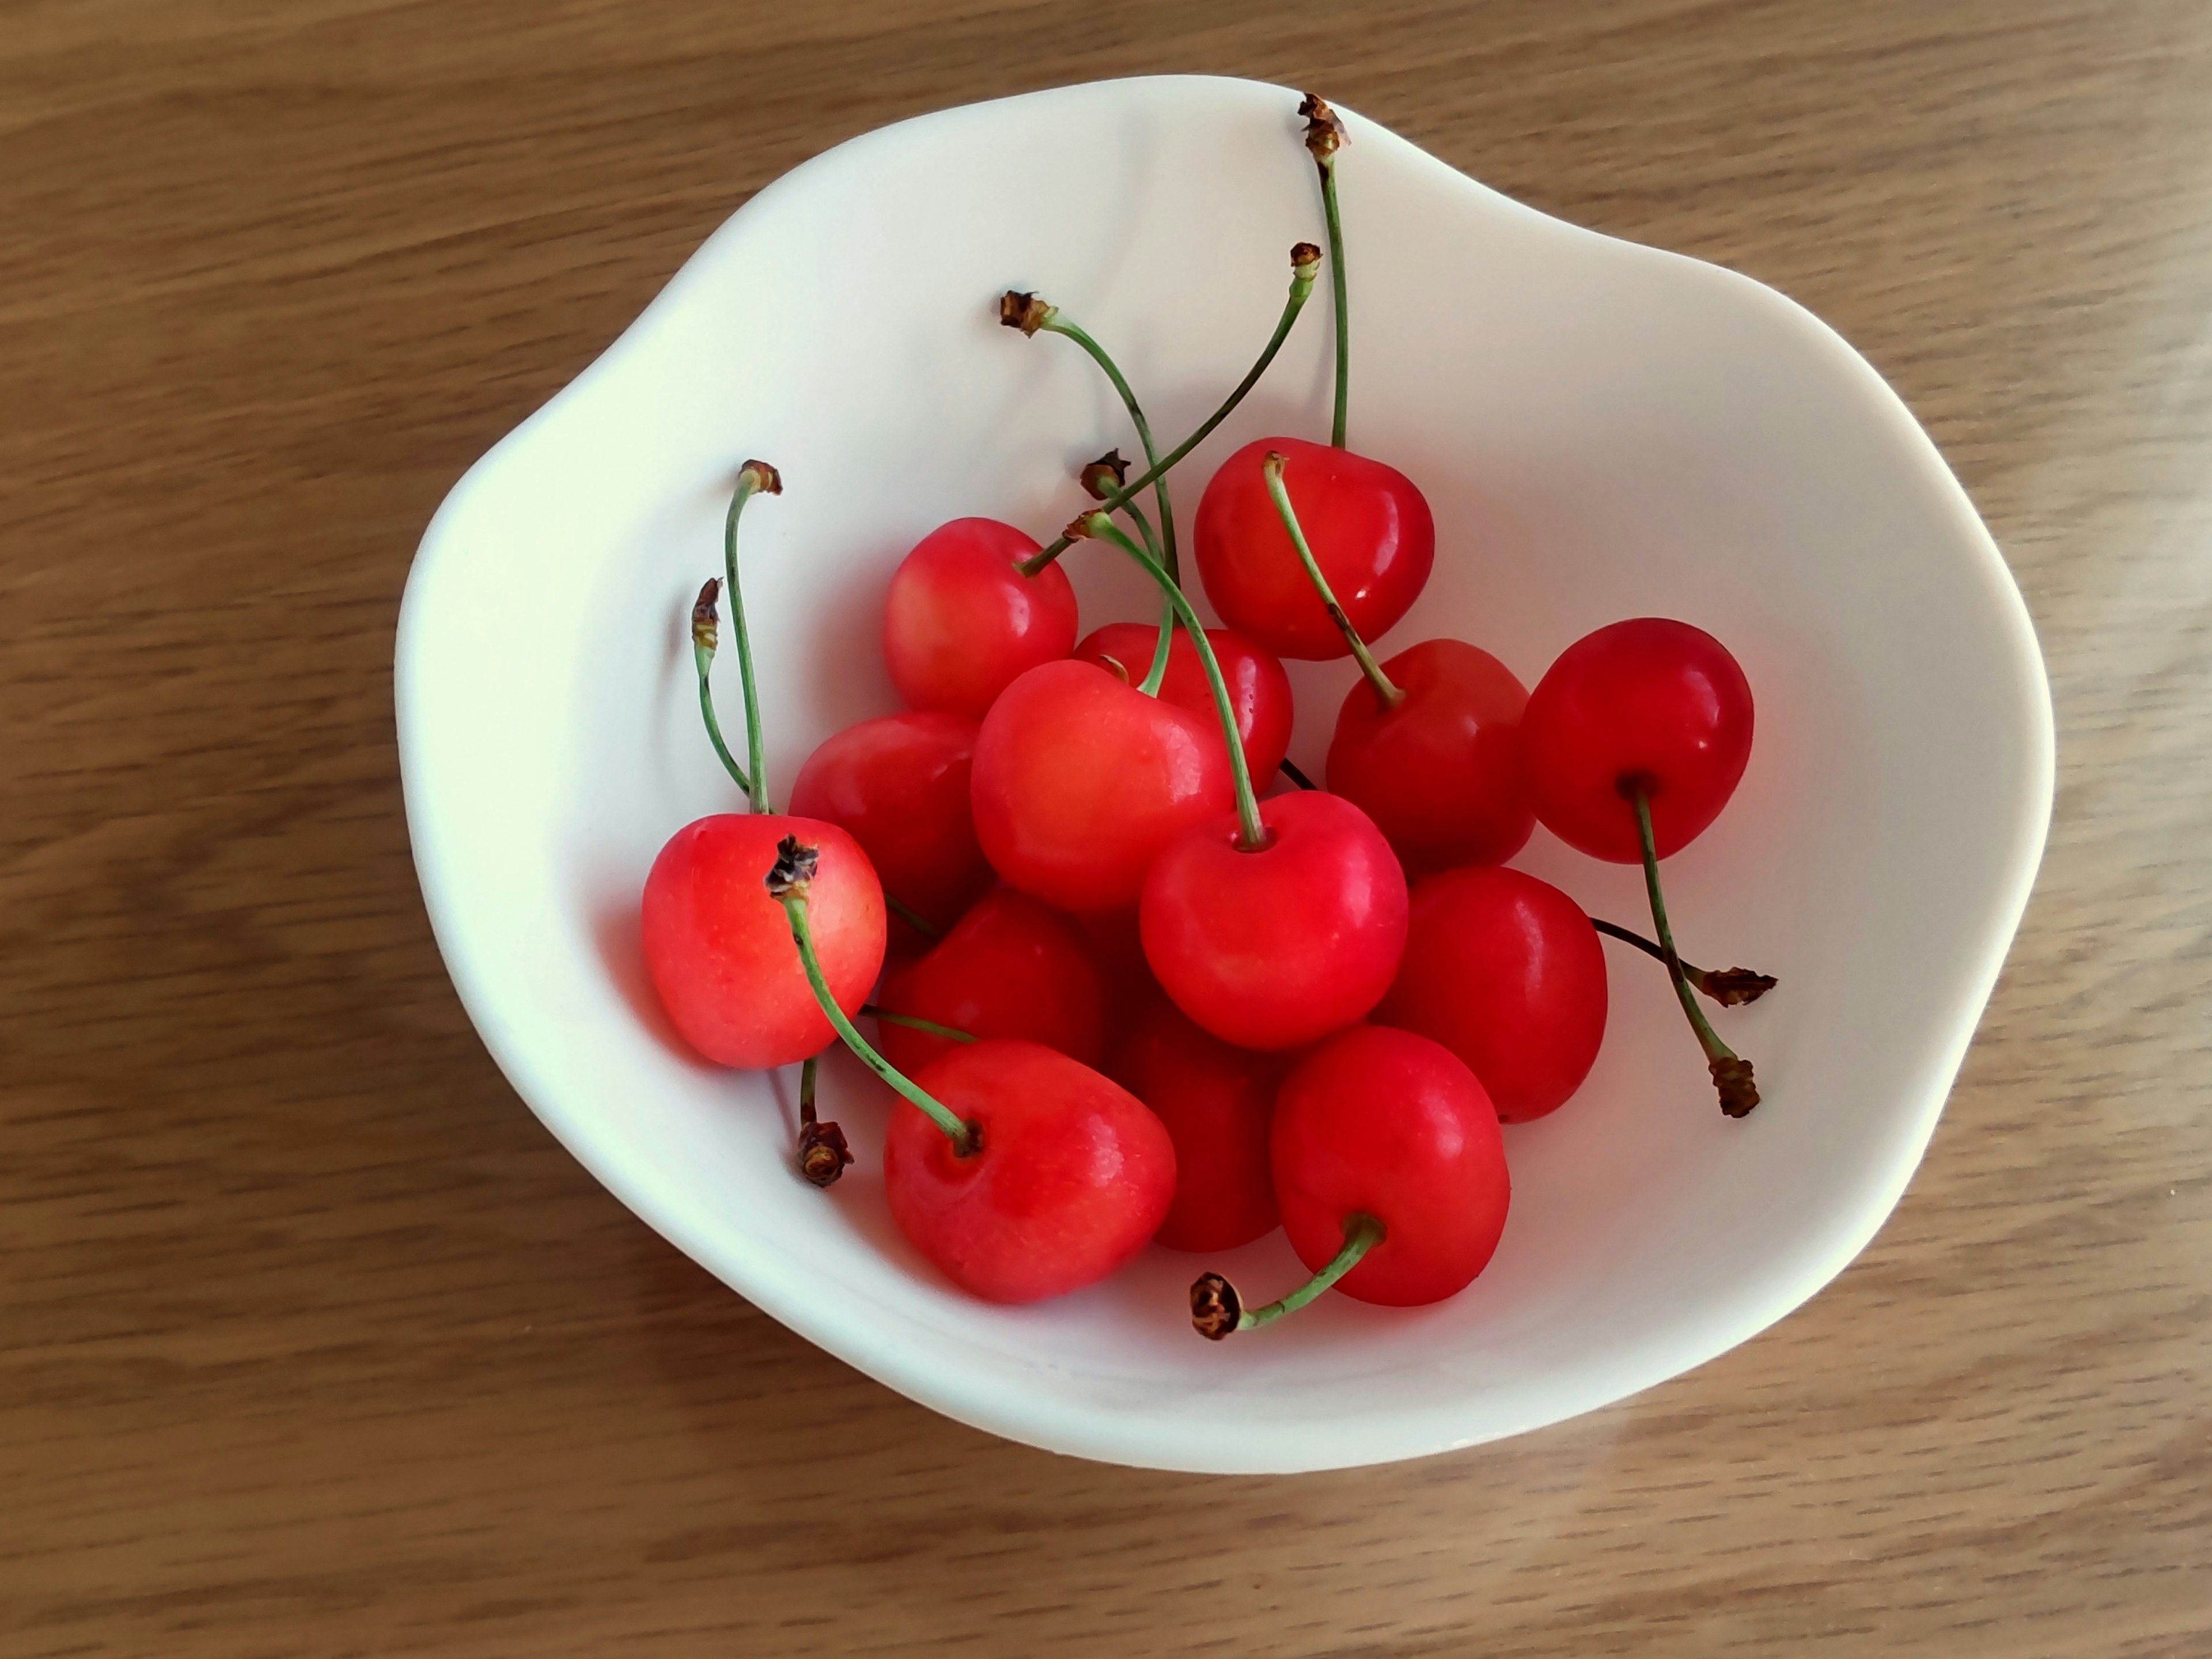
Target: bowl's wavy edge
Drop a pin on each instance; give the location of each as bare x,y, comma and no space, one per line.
1017,1414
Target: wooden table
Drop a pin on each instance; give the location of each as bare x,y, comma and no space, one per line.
311,1340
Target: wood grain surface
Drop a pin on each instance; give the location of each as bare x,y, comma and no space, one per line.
313,1342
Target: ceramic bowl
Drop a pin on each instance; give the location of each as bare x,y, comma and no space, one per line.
1603,430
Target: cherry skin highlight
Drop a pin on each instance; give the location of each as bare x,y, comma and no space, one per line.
1080,780
1259,689
1506,972
1010,968
1071,1174
1369,529
718,948
1275,948
961,623
1648,703
1440,772
1386,1124
1217,1102
898,785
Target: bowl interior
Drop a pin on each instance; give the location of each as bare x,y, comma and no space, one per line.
1603,431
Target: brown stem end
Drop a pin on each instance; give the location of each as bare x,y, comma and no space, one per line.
1023,311
823,1154
1734,986
767,481
1214,1307
1325,133
795,867
705,630
1738,1092
1103,476
1305,261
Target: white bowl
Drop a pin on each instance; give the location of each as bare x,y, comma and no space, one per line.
1603,430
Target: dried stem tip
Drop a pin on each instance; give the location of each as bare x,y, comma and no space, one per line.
1732,1076
705,630
1305,261
1079,528
793,867
1214,1306
823,1154
1024,311
767,481
1734,986
1324,132
1103,476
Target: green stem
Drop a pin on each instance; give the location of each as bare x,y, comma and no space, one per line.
913,918
1271,468
1302,272
1251,835
794,907
916,1023
1058,324
1732,1075
753,478
1328,165
806,1070
1158,670
702,659
1731,988
1216,1311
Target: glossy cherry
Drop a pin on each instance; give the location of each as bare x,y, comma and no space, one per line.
1390,1171
1259,689
1069,1175
1440,769
718,947
1370,532
1217,1102
962,622
898,785
1506,972
1080,780
1275,947
1648,703
1011,967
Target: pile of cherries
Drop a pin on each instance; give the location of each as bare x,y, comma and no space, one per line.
1130,998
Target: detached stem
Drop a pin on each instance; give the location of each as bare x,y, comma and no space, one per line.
823,1154
1058,324
1158,670
1216,1310
1306,265
1251,835
1732,1075
754,477
1271,468
793,900
1731,986
916,1023
1324,137
703,629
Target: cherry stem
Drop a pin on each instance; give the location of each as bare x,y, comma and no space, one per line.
1732,1075
1272,469
1729,987
1158,670
703,632
791,893
1296,776
916,1023
1216,1311
913,918
1251,836
1306,265
1055,322
823,1154
1327,166
754,477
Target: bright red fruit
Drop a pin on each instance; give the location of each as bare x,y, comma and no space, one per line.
1217,1102
1648,703
1439,772
1070,1175
719,949
960,623
1010,968
1080,780
898,785
1259,689
1506,972
1274,948
1386,1124
1369,529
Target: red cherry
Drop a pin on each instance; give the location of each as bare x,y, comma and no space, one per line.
718,947
1080,780
1274,948
1506,972
960,623
898,785
1439,771
1649,704
1217,1102
1010,968
1369,529
1071,1174
1383,1124
1259,689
